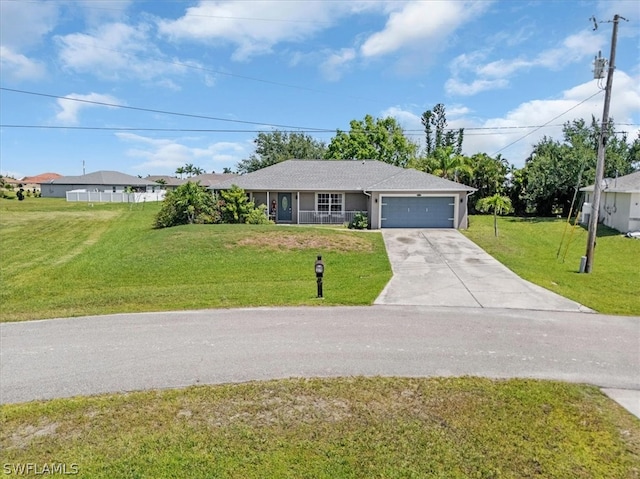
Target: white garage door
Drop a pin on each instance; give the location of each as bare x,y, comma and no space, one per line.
417,212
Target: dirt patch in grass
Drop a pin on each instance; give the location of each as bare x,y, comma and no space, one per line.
290,240
24,435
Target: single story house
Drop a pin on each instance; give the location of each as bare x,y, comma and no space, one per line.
333,191
99,181
165,181
206,179
32,182
619,203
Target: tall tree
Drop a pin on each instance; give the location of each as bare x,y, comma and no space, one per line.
436,133
445,164
277,146
380,139
489,175
556,168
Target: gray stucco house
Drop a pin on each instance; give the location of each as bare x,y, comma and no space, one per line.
333,191
619,203
99,181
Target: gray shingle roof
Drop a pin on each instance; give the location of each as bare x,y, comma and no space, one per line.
210,179
110,178
339,175
169,180
623,184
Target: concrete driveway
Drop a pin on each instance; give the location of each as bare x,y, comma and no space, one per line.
441,267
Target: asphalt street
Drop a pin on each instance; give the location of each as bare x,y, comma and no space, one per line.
449,310
90,355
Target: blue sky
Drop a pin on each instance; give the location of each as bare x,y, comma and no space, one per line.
228,69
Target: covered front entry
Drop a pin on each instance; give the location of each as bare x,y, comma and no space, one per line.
417,212
284,208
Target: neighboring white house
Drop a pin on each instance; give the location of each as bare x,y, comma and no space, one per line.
102,186
619,203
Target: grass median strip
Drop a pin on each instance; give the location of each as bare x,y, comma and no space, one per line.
69,259
535,250
333,428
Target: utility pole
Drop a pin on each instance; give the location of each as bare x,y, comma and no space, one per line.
602,143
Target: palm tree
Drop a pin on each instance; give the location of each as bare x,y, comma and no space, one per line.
447,164
500,205
180,171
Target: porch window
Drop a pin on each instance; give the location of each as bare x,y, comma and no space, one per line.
329,203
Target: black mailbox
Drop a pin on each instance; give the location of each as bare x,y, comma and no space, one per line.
319,267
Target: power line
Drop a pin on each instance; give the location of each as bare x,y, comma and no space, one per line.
164,112
486,130
545,124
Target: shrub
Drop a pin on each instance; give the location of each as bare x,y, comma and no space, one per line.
360,221
187,204
258,216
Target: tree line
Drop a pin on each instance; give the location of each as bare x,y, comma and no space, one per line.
544,186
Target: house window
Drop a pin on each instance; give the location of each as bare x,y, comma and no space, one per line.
329,202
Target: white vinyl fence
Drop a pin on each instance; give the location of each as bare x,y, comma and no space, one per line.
111,197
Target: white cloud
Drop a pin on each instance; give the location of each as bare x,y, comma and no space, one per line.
165,155
457,87
494,75
23,24
625,105
97,11
18,67
333,67
254,27
116,50
421,25
497,133
70,110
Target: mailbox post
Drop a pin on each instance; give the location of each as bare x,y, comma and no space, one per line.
319,274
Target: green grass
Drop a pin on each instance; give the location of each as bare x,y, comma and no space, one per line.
333,428
529,247
64,259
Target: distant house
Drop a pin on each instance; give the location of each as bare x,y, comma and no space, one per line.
34,182
165,181
619,203
333,191
98,182
206,180
211,179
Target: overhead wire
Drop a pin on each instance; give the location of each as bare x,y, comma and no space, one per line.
545,124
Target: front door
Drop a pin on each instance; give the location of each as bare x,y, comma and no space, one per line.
284,207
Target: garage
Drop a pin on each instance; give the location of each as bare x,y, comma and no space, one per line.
417,212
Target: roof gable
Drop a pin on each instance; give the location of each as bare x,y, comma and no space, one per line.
339,175
623,184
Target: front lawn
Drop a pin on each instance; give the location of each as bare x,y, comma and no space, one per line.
530,246
332,428
64,259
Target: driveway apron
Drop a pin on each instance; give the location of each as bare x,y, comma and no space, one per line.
441,267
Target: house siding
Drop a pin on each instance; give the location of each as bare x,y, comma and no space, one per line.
356,202
617,211
634,212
